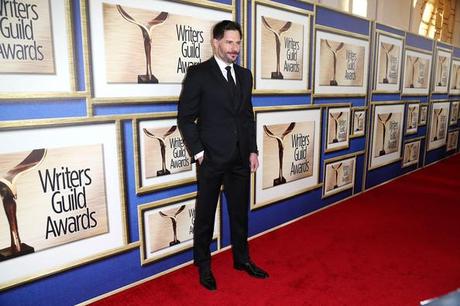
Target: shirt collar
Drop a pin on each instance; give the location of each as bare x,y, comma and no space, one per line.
222,64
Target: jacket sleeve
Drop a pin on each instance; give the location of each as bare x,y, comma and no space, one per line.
188,111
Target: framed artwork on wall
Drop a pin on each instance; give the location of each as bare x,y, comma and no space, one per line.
452,140
454,85
339,175
423,116
389,61
411,153
341,63
288,139
412,118
454,112
281,48
417,72
142,49
36,58
442,75
358,125
438,125
166,227
62,183
386,134
162,159
338,128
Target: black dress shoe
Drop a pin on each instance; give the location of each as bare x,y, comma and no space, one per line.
207,280
252,269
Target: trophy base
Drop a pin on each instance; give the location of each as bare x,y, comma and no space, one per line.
279,181
381,153
333,83
439,84
335,140
411,86
174,242
385,81
7,253
435,138
163,172
147,79
335,187
277,75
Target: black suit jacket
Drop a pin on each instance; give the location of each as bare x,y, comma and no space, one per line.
211,119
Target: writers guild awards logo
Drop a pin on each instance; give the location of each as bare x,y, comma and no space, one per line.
412,119
387,51
8,193
146,34
280,180
334,52
412,63
336,117
174,224
412,153
277,33
442,60
161,141
336,172
383,119
437,114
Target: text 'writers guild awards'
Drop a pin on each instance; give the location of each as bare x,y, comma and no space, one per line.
8,193
383,119
280,180
333,82
161,141
174,224
146,34
277,74
387,51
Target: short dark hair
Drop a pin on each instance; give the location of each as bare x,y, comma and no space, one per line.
225,25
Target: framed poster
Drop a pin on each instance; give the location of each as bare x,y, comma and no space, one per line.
416,73
166,227
389,60
338,128
423,114
454,112
411,154
452,141
438,125
61,184
162,160
339,175
36,51
288,139
358,126
281,48
454,86
441,80
341,63
142,48
386,134
412,118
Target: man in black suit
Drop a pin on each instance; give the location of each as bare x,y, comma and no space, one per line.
217,123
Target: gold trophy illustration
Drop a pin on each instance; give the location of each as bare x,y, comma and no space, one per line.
161,141
387,59
383,119
437,114
173,223
339,47
359,118
8,193
442,60
146,34
456,73
335,117
413,62
411,120
280,180
277,33
336,172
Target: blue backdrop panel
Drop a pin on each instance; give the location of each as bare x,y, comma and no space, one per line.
338,20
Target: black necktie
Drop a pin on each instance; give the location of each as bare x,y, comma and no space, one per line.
230,80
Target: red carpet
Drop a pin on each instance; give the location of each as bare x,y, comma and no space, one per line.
397,244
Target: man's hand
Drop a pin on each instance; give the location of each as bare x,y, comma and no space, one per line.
253,162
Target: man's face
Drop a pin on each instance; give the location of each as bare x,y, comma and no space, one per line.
228,47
